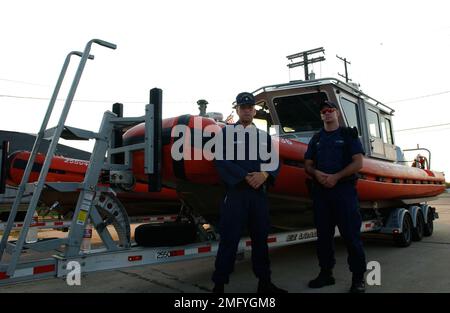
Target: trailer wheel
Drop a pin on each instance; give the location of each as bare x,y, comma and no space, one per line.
418,231
428,227
404,238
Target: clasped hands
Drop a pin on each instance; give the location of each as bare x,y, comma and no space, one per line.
327,180
256,179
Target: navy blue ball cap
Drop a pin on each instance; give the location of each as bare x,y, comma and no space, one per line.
329,104
245,98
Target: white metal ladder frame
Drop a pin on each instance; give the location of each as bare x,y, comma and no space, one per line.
16,249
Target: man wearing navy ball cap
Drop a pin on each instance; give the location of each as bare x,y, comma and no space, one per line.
245,202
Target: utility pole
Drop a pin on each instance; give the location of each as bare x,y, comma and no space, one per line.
306,61
345,65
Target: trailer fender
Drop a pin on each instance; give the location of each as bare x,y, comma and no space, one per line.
430,215
394,222
414,210
426,209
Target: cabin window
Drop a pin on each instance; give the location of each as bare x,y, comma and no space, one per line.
261,124
300,112
262,119
374,123
387,131
350,112
383,131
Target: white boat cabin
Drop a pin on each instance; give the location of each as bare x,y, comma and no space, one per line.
295,107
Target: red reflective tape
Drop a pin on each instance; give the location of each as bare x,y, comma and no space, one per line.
368,225
173,217
58,223
176,252
204,249
160,218
19,225
269,240
3,275
43,269
135,258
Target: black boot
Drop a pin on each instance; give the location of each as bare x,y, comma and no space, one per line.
218,288
358,284
325,278
269,287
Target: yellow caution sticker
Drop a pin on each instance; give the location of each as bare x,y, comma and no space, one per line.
82,216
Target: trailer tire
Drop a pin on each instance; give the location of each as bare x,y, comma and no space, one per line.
418,231
404,238
429,227
165,234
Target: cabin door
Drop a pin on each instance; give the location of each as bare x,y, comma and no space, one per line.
374,129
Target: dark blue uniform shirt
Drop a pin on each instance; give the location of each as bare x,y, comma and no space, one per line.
333,151
234,171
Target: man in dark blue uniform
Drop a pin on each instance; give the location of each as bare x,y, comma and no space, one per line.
333,158
245,202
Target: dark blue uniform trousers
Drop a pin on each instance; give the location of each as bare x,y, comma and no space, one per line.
338,206
240,208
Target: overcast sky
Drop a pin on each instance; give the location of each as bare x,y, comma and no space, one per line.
399,53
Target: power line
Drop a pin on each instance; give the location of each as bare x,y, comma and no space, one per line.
420,97
430,130
75,100
140,102
422,127
97,101
23,82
